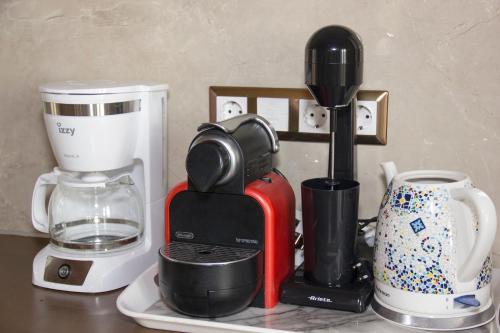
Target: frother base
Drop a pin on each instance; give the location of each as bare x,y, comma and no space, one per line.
442,323
354,297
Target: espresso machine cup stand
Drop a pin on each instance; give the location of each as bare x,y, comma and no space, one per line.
332,275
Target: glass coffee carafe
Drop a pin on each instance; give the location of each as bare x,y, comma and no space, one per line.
94,212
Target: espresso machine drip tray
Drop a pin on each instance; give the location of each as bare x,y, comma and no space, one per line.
204,254
205,280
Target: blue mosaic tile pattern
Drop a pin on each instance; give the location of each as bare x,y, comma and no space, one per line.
417,225
414,241
484,277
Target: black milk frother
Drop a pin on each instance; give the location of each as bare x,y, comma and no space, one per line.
333,74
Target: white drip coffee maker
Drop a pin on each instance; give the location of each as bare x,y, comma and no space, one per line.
105,215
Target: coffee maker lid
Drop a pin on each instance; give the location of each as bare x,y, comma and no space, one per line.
100,87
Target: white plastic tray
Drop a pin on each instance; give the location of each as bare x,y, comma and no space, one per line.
141,301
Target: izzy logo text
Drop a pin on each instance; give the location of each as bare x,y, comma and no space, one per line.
65,130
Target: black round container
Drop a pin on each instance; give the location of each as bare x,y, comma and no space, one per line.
207,280
330,221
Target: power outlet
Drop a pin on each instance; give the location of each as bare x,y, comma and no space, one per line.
231,106
312,117
296,116
366,118
371,117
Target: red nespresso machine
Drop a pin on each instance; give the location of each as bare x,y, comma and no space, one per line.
333,274
230,227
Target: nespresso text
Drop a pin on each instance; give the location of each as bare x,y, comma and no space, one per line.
246,241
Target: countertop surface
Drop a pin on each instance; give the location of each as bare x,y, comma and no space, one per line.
25,308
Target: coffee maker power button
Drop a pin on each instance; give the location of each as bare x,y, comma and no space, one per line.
63,271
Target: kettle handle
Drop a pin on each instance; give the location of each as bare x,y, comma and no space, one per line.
390,170
39,216
487,219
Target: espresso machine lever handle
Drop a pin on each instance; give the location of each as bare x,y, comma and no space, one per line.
231,125
39,216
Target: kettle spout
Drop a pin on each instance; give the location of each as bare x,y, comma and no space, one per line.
390,170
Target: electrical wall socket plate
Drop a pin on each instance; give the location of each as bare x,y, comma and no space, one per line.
289,111
275,110
366,118
231,106
313,118
371,117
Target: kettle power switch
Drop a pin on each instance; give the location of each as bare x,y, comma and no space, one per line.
467,300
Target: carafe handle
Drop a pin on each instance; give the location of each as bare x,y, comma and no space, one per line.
39,215
487,219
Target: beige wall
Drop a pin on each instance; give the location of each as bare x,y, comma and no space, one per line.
439,60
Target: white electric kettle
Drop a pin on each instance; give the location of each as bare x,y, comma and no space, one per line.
432,261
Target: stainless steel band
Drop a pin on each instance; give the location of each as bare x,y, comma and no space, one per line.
470,320
96,241
91,110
